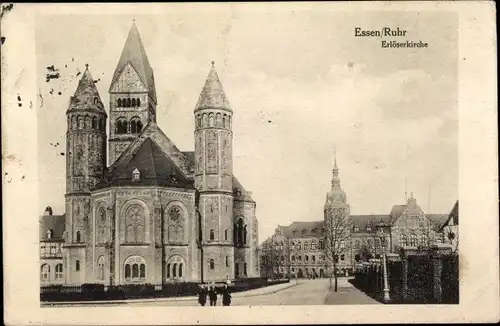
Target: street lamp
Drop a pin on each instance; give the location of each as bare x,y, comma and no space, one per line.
381,234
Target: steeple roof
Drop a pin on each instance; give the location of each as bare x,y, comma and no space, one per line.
336,194
85,95
134,52
212,95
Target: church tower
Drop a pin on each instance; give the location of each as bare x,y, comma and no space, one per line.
337,222
85,163
336,197
213,176
132,95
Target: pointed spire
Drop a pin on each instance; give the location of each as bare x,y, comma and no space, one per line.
335,158
86,96
212,94
134,53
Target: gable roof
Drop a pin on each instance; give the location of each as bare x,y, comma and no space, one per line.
164,143
134,52
306,229
56,223
212,95
154,166
362,222
85,93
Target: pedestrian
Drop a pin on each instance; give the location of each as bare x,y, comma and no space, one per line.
202,295
212,294
226,296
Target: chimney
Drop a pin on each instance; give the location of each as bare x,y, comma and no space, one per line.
48,210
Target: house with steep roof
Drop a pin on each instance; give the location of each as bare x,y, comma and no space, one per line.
51,237
155,214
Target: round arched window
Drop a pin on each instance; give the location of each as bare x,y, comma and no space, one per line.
135,268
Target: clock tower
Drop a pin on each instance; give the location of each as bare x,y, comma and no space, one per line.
132,96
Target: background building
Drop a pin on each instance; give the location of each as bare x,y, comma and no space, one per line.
156,214
51,241
302,243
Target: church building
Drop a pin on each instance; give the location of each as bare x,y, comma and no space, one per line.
155,214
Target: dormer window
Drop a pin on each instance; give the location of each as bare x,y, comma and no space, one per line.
136,175
49,234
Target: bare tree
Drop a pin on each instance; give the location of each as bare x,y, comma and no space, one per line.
270,258
336,232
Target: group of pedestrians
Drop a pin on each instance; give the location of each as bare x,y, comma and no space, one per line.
212,292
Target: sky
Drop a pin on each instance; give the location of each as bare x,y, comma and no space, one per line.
300,85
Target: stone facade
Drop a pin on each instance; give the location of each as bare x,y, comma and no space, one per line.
156,214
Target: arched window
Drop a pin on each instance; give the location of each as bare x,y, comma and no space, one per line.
94,123
218,120
298,245
133,102
96,100
235,233
48,234
245,269
306,245
236,269
77,265
101,125
212,264
404,240
59,271
205,120
101,222
240,231
245,235
100,268
129,102
138,102
342,257
211,120
225,234
128,273
135,271
78,236
135,222
175,266
313,245
313,259
227,261
413,240
423,240
119,102
121,126
135,125
45,272
212,235
306,257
